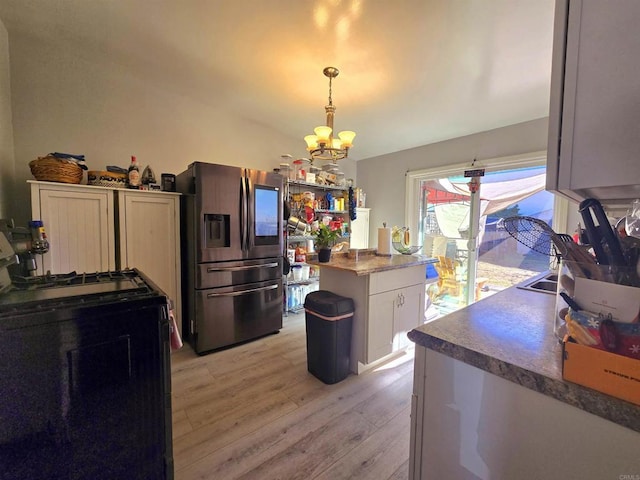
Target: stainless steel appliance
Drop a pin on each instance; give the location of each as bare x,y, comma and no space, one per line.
232,254
85,381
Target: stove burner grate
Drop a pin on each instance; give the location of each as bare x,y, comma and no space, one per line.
64,279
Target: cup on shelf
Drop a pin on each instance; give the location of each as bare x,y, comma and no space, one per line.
304,272
297,272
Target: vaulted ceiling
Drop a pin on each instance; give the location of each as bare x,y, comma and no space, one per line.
412,72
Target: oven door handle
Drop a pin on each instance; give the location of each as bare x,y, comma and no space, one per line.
236,294
245,267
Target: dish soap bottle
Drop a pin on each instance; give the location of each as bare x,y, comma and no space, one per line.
133,175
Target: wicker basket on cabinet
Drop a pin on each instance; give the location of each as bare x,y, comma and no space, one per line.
52,169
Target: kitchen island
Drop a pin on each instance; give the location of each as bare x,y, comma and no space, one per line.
490,402
389,298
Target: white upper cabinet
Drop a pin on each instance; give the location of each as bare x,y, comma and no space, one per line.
594,118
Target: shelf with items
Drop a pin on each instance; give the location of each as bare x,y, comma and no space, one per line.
297,291
302,183
309,205
304,238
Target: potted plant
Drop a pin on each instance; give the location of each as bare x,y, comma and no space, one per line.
325,238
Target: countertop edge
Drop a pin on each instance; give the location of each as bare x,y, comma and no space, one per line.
622,413
369,264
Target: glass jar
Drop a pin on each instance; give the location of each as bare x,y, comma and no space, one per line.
300,167
285,171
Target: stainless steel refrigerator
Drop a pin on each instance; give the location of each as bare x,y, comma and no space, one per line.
232,254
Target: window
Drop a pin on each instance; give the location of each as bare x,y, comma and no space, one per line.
477,256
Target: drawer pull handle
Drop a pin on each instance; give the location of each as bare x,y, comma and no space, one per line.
245,267
237,294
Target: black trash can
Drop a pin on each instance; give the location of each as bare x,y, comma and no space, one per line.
329,318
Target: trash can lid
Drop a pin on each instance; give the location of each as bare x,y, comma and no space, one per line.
328,303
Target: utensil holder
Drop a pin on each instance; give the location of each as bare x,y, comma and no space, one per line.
598,306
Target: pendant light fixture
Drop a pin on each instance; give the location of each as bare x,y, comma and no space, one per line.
322,145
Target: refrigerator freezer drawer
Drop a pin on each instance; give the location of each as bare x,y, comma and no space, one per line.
230,315
223,274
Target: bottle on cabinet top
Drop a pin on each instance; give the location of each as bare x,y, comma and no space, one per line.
133,176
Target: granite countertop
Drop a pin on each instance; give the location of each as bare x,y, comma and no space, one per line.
365,262
510,334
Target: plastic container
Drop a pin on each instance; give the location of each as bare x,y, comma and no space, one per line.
329,319
300,167
286,171
297,272
304,275
597,305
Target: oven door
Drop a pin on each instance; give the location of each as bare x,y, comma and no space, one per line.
234,314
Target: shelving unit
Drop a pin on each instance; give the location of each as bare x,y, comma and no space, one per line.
296,290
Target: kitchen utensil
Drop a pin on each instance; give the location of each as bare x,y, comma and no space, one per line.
537,235
297,226
632,220
541,238
570,301
602,238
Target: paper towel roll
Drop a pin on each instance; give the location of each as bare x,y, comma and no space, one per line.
384,241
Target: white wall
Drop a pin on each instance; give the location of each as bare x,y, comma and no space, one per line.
383,178
82,101
6,130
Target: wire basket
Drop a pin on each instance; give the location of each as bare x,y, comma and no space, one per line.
107,179
51,169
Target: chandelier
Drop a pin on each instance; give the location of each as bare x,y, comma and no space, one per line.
322,145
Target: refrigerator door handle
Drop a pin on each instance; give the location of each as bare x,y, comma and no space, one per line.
245,267
243,214
248,218
236,294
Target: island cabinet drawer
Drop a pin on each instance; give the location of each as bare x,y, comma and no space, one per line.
392,279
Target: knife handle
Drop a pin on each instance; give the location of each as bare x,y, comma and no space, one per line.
602,234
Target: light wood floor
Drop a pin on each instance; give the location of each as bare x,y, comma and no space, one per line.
254,412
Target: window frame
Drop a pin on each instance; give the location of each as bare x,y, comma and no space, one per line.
532,159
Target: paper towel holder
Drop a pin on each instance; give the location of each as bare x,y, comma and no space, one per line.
384,241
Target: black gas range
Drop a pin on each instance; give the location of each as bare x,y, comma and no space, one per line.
41,293
85,383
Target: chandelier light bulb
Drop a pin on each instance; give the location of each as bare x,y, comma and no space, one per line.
323,133
347,136
312,142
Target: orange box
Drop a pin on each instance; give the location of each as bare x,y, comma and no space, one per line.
613,374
